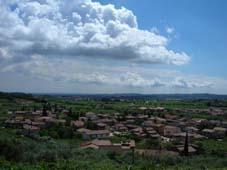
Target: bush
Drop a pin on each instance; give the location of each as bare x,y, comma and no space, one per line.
11,150
65,132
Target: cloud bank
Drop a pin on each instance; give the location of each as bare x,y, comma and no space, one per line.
80,28
78,72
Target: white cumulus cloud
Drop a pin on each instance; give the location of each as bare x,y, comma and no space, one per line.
80,28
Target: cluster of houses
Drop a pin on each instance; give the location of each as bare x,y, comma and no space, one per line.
97,129
167,128
33,121
141,125
209,111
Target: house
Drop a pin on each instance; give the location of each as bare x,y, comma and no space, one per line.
181,136
132,126
148,123
210,133
103,116
148,128
19,118
159,120
152,133
107,121
169,131
182,125
172,122
39,124
220,132
96,144
130,117
116,115
108,145
215,122
65,111
30,130
142,108
84,119
204,122
155,136
157,109
127,145
137,130
101,126
59,121
130,121
95,134
216,112
83,130
48,120
31,127
196,122
44,119
191,150
170,117
142,117
77,124
91,116
152,118
158,127
120,127
14,123
22,113
192,129
150,152
224,124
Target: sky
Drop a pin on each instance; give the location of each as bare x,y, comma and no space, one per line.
113,46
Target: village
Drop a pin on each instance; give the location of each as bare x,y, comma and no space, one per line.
97,130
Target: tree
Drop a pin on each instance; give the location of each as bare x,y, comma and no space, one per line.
44,110
186,145
34,108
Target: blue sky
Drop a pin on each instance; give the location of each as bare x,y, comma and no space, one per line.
113,46
200,29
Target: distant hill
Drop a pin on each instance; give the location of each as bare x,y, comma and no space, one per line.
13,96
127,96
145,96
